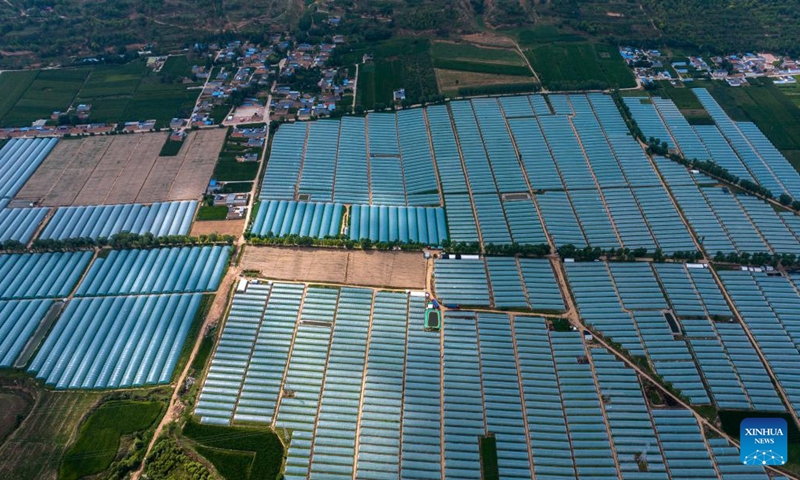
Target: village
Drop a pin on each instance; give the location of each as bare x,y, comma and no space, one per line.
735,69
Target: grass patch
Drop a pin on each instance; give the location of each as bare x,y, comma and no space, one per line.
264,444
580,66
170,148
233,171
177,66
51,90
489,467
156,99
204,352
232,464
472,53
99,437
237,187
13,85
494,68
207,212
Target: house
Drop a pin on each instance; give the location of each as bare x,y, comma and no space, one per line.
177,123
248,157
213,187
177,135
235,213
231,199
255,142
399,95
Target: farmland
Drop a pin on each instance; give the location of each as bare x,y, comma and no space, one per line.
124,169
395,269
117,93
50,90
580,66
238,452
45,434
471,58
99,438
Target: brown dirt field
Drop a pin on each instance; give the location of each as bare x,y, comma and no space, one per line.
353,267
124,169
488,38
447,79
220,227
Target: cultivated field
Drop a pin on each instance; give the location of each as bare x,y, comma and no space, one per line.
572,66
378,269
124,169
451,80
44,435
220,227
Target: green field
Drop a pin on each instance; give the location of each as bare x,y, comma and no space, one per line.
397,63
177,66
443,51
209,212
229,444
580,66
13,85
99,437
117,93
51,90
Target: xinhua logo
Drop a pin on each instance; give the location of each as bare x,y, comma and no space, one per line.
763,441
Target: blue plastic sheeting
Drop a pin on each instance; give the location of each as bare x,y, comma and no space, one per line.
352,179
160,270
159,219
461,218
316,178
681,439
727,458
383,135
539,164
262,384
541,285
421,456
476,163
629,421
461,281
664,220
559,219
684,135
768,306
306,219
19,158
463,406
18,321
223,381
491,219
523,222
567,153
595,144
20,223
448,160
594,218
404,224
767,165
382,405
506,283
628,218
334,447
540,385
285,159
116,342
501,394
648,120
516,107
386,181
41,275
415,148
499,147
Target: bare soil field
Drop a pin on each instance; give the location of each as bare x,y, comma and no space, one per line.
109,170
452,80
220,227
347,267
44,434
